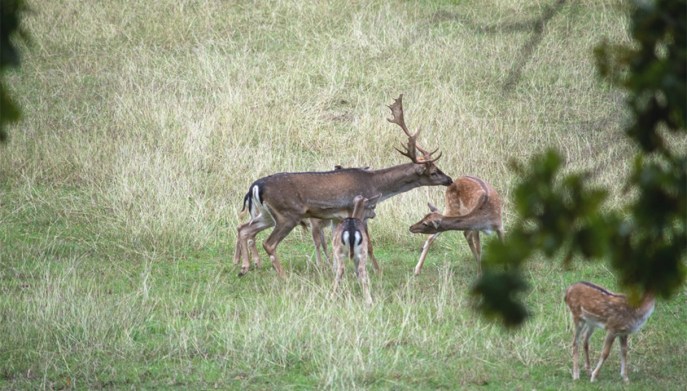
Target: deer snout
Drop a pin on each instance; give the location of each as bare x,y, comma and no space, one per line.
419,228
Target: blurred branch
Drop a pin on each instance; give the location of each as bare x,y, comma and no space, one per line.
646,240
10,28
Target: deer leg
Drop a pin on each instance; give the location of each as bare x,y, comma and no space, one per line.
237,250
608,342
575,352
246,235
317,232
473,241
323,246
282,228
370,253
362,275
254,252
339,257
425,250
587,331
623,358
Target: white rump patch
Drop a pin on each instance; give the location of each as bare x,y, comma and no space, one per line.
346,238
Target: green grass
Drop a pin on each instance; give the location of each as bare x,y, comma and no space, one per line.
144,124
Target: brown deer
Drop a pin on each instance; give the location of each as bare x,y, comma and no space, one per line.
592,306
283,200
317,227
472,205
350,239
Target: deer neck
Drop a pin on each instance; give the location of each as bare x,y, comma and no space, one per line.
396,180
646,306
643,312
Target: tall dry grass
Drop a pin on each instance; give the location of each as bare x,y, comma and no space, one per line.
167,112
145,122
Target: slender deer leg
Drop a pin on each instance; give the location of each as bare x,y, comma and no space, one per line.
587,332
282,228
623,358
608,342
254,252
237,250
575,354
246,234
425,250
362,276
323,242
317,231
338,268
370,252
473,241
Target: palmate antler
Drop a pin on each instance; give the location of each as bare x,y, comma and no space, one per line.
410,150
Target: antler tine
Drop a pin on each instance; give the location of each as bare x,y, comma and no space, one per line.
432,160
410,151
419,148
397,113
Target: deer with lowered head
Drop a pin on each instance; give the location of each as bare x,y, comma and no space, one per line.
283,200
350,239
591,307
472,205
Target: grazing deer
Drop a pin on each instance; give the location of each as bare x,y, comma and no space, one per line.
350,238
283,200
472,205
592,306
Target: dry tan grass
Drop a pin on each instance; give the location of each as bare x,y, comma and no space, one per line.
145,122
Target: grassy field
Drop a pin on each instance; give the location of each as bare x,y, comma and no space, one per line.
144,124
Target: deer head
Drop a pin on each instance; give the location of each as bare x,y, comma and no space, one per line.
430,223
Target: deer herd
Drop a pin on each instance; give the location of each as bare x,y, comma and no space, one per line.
346,198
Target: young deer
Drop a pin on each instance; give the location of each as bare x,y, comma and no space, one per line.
592,306
472,205
283,200
317,227
350,239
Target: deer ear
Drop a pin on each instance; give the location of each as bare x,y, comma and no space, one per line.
435,223
372,201
432,208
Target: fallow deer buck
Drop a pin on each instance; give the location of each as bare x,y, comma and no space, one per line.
350,239
283,200
593,307
472,205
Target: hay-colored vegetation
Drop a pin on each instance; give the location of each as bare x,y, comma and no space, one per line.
145,122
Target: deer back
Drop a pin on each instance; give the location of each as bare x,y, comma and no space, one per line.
330,194
468,193
605,309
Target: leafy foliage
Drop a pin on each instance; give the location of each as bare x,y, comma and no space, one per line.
10,11
646,240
